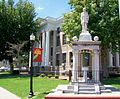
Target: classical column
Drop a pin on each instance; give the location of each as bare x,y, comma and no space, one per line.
75,66
47,48
54,50
110,58
93,67
117,59
68,59
43,48
96,65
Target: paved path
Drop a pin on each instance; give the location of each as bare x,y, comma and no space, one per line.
5,94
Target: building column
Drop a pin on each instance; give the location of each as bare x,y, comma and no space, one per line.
54,50
96,65
75,66
110,58
117,59
68,59
43,48
47,48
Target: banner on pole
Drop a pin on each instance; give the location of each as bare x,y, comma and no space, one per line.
37,55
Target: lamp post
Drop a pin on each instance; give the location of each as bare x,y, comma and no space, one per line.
32,39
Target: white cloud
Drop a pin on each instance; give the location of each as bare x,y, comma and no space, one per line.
40,8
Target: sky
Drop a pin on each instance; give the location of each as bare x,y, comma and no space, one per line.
52,8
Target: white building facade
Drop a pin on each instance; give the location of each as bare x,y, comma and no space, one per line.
57,54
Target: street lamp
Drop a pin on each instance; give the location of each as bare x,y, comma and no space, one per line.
32,39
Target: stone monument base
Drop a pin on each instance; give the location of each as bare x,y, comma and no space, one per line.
66,92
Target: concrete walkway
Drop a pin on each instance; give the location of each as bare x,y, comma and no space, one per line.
4,94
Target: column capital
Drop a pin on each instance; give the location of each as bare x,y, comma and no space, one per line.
96,51
75,51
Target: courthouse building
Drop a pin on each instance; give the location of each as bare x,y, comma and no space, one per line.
57,53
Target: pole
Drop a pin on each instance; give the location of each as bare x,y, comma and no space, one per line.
31,72
119,8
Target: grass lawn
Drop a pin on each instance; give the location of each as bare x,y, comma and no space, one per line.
113,81
19,85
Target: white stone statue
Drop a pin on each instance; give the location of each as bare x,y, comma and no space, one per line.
84,20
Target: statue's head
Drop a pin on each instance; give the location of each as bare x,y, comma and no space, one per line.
84,9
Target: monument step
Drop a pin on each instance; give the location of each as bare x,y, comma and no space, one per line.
86,92
68,91
102,88
106,91
70,87
86,89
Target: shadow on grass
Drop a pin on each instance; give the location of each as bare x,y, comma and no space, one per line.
45,93
110,81
9,75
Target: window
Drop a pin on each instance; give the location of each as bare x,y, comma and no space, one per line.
64,57
86,59
58,30
71,57
64,39
58,41
57,59
51,51
51,37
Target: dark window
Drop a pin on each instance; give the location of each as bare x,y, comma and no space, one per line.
71,57
51,51
64,39
51,38
58,30
86,59
114,60
58,41
64,57
119,59
57,59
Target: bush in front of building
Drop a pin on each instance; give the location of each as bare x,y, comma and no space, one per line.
16,72
42,75
56,76
50,75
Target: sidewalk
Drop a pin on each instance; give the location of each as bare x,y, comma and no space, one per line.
4,94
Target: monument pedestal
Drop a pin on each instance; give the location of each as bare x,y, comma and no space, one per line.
84,70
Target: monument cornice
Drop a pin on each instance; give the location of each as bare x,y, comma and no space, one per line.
86,43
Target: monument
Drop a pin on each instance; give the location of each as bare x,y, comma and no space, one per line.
86,67
85,59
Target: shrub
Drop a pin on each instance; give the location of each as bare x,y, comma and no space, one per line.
56,76
16,72
49,75
42,75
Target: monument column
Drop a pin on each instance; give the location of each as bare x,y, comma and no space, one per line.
43,48
96,65
47,49
117,59
54,49
75,66
110,59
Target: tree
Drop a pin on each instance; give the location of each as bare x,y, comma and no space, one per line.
104,21
15,50
17,23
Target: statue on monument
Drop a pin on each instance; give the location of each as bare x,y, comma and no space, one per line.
84,19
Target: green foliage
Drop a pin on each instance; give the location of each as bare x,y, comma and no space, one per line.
17,23
50,75
42,75
57,76
19,85
103,22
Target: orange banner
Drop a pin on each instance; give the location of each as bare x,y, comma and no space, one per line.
37,55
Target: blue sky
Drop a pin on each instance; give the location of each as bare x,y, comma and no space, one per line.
52,8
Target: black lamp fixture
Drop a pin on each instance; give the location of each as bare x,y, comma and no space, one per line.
32,39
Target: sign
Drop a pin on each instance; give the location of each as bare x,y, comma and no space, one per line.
37,55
